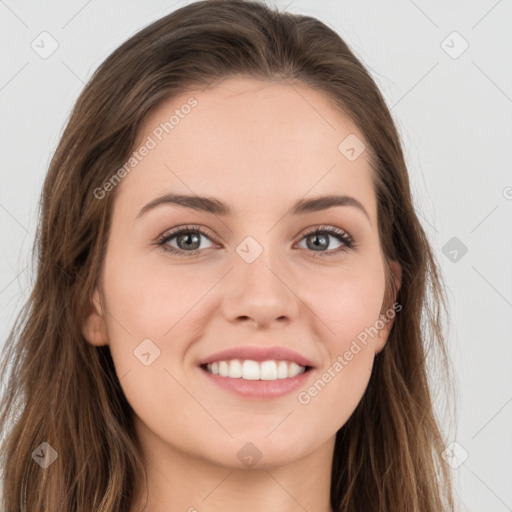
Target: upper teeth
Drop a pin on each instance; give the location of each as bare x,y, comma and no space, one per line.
253,370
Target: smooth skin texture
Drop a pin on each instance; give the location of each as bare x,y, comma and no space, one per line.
259,147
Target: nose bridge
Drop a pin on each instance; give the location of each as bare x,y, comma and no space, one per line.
257,265
259,289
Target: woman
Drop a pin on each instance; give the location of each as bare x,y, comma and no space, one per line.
230,286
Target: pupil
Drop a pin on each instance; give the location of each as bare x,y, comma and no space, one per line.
317,244
186,239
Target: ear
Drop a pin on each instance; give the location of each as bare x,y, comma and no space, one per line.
94,327
388,319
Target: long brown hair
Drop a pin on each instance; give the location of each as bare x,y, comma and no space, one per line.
63,391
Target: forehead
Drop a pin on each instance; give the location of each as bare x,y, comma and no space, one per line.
246,139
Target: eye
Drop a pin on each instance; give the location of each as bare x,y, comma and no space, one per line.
188,240
318,239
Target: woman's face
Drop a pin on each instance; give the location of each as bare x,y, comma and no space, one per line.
257,278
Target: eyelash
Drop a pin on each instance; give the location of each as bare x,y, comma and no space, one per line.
340,235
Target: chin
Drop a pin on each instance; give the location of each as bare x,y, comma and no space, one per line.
262,452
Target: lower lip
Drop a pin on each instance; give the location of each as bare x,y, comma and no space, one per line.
261,389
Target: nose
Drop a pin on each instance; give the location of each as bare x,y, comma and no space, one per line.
260,294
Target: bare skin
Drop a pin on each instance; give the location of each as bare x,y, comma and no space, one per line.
259,147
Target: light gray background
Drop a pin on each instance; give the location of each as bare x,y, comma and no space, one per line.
455,119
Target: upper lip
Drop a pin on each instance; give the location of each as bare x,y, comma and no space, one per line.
256,353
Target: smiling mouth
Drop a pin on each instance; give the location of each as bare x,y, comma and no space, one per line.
248,369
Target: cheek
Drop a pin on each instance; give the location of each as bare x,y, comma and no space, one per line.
349,308
150,299
335,393
348,302
152,317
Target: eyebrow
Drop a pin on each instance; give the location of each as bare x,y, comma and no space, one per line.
217,207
